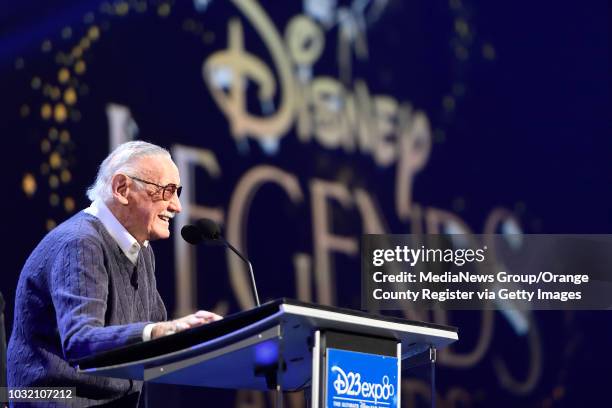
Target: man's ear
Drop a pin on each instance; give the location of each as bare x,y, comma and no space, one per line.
121,188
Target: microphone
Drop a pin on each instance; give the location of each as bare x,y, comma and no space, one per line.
208,231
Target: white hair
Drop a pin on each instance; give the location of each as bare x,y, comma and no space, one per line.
121,160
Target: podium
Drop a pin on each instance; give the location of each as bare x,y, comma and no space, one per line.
344,357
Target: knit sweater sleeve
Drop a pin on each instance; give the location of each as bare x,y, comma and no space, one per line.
79,290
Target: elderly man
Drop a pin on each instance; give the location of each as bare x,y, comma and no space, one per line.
89,286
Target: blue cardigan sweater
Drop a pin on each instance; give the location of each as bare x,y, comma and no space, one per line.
78,294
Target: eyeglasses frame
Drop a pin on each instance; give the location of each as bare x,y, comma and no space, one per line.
177,190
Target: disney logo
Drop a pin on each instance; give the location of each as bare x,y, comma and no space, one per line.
351,384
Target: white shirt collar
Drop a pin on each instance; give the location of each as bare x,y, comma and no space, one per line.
124,239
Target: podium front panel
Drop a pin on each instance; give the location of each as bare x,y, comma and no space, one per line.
356,371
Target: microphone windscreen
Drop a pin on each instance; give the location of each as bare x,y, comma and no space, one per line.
191,234
209,229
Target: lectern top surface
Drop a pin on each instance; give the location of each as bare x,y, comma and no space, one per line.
238,324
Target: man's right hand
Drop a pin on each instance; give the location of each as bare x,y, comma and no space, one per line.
193,320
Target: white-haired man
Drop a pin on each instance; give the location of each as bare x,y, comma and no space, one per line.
89,286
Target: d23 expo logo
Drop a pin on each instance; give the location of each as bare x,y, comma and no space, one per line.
351,385
357,379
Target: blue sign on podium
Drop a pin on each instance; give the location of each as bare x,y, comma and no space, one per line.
361,380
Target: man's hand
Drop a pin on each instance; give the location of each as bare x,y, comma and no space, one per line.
193,320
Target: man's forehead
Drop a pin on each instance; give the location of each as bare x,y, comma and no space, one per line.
157,166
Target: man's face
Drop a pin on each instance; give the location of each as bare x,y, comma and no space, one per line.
149,213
